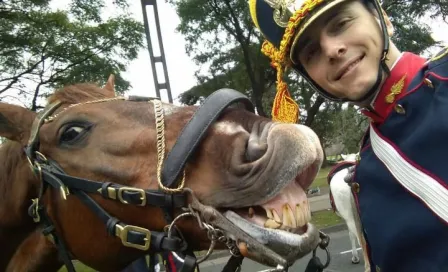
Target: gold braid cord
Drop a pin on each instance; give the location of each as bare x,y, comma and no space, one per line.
285,109
51,118
160,128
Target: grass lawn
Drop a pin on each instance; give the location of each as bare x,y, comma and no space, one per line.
79,267
327,218
321,178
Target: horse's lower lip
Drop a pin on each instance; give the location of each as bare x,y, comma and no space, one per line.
289,245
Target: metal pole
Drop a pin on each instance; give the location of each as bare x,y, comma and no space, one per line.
154,59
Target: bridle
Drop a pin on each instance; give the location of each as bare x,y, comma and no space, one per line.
171,193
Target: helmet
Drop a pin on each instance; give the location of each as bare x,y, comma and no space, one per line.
282,23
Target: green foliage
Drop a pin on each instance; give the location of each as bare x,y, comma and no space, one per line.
350,127
42,48
221,39
412,34
221,75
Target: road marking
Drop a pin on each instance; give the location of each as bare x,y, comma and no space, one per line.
347,251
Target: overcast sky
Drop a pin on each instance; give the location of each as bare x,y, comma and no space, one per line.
180,67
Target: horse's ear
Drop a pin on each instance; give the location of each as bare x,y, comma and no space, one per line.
15,122
110,85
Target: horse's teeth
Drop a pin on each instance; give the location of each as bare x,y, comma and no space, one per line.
300,215
288,217
307,210
251,212
270,223
269,213
276,216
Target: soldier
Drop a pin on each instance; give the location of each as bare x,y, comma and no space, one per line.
343,49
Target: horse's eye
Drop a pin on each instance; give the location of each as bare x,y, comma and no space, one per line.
73,133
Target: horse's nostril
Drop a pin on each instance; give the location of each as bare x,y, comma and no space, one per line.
255,149
257,143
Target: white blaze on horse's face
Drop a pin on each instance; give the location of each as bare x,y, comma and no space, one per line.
228,128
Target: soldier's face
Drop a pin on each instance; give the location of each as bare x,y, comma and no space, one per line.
341,51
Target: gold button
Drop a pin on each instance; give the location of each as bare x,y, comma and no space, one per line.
399,109
355,187
428,82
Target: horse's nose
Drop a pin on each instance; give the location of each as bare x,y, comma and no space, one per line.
257,144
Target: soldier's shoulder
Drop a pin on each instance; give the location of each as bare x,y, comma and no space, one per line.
441,57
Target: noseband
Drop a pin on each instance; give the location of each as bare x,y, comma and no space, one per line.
171,194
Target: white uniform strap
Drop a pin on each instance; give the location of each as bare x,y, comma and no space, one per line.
418,183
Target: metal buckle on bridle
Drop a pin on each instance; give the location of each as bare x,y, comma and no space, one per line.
34,210
142,193
36,168
122,233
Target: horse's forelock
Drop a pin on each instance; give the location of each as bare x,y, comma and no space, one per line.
77,93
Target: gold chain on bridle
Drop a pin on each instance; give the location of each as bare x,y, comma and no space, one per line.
160,128
51,118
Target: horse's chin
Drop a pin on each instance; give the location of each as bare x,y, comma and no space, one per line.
281,223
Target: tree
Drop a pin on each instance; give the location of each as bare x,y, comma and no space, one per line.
221,39
221,35
42,49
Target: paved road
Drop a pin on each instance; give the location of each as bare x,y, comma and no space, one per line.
319,203
340,251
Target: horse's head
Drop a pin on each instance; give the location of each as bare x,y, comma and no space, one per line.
251,170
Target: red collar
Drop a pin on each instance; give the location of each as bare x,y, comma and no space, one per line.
395,86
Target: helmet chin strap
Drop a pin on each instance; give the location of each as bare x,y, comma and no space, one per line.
382,68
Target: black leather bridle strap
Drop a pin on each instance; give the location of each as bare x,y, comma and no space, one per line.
233,264
33,140
64,253
113,191
159,241
195,129
189,263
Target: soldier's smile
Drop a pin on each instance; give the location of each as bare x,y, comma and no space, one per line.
349,67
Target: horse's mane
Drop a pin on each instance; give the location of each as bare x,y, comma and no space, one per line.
11,152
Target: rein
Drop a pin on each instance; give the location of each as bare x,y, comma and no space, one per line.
171,193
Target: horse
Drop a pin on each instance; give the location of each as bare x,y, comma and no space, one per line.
343,204
107,179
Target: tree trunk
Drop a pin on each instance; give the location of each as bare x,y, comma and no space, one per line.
258,101
325,161
313,110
